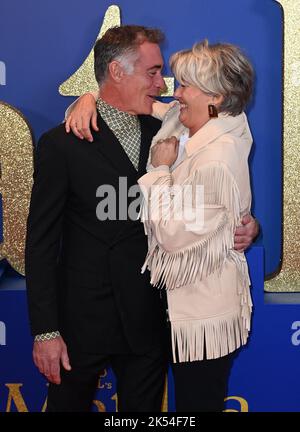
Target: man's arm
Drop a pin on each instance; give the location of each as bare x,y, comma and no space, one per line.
44,228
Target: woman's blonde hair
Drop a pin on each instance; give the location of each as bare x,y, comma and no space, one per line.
219,69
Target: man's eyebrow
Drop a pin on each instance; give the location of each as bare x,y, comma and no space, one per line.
155,67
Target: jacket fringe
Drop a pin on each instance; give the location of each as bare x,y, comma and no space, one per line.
244,291
184,267
221,336
199,260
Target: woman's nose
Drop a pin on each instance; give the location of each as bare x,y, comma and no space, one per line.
177,92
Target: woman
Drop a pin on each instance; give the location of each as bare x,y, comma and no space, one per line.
206,279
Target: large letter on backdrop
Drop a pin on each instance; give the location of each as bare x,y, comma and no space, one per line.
288,278
16,169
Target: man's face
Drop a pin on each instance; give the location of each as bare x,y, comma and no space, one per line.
146,82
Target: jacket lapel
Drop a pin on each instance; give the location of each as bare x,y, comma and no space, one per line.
215,128
146,138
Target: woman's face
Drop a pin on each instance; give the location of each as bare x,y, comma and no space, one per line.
193,107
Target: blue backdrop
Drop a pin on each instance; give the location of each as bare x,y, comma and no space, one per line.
41,45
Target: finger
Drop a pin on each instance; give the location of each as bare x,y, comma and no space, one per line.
241,239
67,125
46,374
78,123
94,122
241,245
176,145
172,142
86,132
65,360
43,368
76,126
54,374
84,128
246,219
75,130
53,379
240,231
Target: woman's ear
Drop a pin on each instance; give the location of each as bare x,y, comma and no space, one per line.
217,100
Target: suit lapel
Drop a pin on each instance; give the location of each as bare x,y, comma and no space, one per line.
146,138
109,147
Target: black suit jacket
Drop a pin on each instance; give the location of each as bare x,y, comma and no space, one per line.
84,275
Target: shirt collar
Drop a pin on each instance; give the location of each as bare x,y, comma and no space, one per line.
112,115
216,127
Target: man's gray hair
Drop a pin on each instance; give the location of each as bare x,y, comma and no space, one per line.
121,44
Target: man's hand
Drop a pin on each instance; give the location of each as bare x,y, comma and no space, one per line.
47,356
164,152
83,114
245,234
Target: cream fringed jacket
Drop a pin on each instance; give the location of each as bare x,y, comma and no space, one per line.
192,256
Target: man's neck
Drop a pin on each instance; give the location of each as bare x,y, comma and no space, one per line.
112,96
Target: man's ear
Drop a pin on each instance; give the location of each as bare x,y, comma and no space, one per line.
116,71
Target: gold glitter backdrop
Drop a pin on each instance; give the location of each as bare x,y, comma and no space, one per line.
288,278
83,80
16,169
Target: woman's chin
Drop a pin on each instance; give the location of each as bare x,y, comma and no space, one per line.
183,118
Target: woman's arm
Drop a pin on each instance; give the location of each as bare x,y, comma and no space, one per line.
82,114
189,228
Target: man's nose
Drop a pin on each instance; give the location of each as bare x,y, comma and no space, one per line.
160,83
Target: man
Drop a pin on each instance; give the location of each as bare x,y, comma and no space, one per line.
89,304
